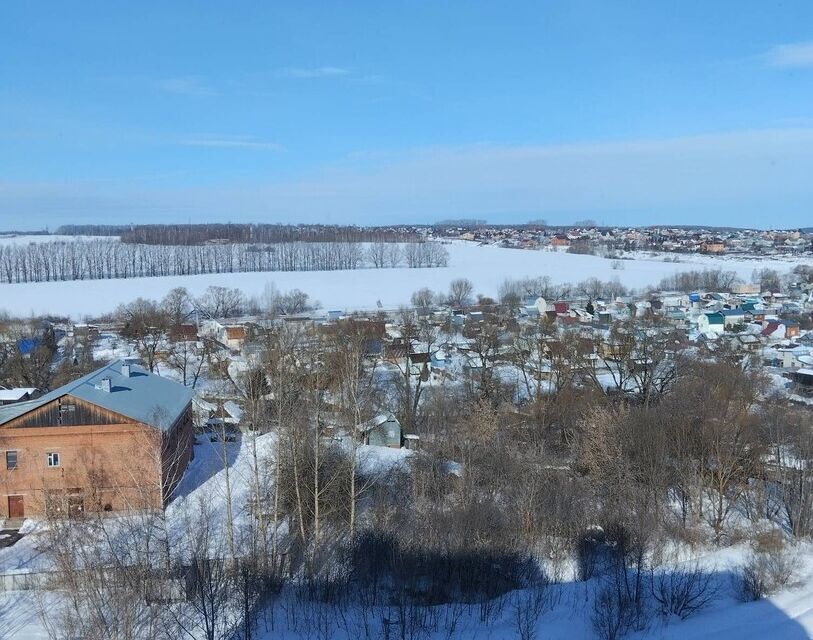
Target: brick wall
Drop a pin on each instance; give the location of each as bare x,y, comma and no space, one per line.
109,467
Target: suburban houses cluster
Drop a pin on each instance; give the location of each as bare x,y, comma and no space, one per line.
122,434
590,238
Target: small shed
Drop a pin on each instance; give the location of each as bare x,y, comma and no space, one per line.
382,431
804,381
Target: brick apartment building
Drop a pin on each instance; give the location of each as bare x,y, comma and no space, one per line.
118,438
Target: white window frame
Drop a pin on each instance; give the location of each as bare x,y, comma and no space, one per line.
52,462
16,459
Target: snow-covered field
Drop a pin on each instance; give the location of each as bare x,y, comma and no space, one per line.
485,266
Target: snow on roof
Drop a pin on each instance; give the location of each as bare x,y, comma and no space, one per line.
376,422
233,409
13,395
204,404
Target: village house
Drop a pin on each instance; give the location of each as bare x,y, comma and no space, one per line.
214,414
234,337
748,288
116,439
791,328
789,357
745,342
732,317
773,330
185,332
18,394
715,246
711,323
560,241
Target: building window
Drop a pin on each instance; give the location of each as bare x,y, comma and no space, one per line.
11,460
53,459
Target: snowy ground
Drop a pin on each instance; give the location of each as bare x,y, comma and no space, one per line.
785,616
485,266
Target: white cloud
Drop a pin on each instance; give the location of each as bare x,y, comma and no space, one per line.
313,72
793,55
243,142
186,86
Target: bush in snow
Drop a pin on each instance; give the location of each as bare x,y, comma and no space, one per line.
528,605
682,591
769,567
622,601
592,552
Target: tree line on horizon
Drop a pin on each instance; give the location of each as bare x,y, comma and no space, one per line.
194,234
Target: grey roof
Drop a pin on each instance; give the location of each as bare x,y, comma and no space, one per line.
143,396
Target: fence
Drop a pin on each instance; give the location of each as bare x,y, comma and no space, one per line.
164,589
25,581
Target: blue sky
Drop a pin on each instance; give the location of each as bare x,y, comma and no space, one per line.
367,112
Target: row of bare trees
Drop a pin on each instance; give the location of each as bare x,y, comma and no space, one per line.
95,259
700,280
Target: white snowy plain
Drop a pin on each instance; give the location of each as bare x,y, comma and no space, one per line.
364,289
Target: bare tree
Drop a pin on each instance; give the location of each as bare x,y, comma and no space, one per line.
177,305
354,377
220,302
460,293
423,300
394,255
723,413
414,332
212,608
377,254
27,355
146,324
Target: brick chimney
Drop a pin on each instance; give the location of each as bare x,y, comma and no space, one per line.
125,369
104,385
